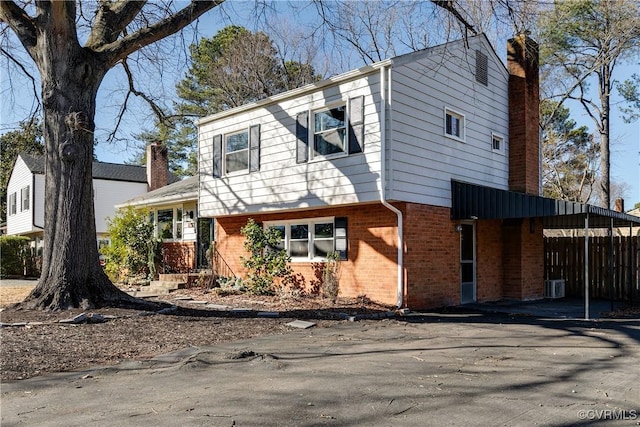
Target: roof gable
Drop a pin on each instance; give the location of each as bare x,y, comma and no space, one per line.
101,170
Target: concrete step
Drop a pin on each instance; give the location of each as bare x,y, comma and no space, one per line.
163,286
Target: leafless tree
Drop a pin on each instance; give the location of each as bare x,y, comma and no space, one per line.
70,72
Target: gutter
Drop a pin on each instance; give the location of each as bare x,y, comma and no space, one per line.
385,92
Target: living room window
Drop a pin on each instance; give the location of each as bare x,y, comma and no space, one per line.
169,223
454,126
24,199
311,239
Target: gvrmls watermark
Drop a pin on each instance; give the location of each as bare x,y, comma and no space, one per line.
608,414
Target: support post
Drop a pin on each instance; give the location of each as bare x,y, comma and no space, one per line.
612,272
586,267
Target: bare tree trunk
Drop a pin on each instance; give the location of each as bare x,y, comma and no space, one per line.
71,273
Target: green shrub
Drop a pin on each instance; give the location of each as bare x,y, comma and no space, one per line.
133,247
14,251
265,262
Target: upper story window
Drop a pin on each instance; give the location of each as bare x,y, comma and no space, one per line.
24,199
312,239
454,126
332,130
12,204
236,155
236,152
497,143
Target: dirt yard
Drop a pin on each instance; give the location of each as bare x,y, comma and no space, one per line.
36,343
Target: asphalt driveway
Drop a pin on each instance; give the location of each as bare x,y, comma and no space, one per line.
431,369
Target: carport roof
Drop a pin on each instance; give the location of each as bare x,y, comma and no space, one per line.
471,201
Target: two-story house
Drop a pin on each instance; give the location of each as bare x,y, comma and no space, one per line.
112,184
389,165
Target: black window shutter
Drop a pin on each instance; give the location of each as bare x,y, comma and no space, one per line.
217,156
254,148
356,125
302,135
342,240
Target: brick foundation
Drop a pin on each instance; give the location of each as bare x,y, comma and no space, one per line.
178,257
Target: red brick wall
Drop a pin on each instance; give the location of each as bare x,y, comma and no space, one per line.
489,260
432,260
371,269
524,116
524,259
179,257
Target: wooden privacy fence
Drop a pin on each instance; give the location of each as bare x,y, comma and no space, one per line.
565,259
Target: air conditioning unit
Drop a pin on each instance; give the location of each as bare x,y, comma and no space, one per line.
554,288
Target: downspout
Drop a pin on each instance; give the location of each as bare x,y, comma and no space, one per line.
383,178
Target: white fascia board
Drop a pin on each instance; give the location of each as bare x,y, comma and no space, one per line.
312,87
157,201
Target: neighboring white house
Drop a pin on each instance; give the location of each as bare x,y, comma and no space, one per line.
112,184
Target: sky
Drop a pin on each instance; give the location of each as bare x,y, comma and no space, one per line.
16,99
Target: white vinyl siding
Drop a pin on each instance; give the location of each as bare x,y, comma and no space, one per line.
282,183
22,220
424,159
421,159
108,193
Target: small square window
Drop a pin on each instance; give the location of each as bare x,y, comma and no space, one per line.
454,124
497,143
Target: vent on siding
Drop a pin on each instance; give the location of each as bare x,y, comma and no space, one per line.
482,65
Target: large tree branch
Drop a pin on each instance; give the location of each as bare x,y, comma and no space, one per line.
21,23
111,20
122,48
449,6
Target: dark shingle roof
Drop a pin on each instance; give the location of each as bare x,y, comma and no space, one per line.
101,170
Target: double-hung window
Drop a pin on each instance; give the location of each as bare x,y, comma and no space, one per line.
312,239
12,204
236,152
454,126
236,156
24,199
330,131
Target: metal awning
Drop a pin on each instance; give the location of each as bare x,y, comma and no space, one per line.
471,201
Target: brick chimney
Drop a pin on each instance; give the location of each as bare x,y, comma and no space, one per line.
619,205
524,115
157,165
